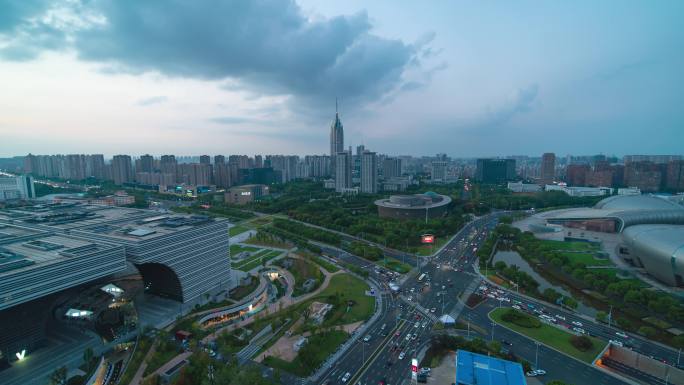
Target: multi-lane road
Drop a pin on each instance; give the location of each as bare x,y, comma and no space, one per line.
404,327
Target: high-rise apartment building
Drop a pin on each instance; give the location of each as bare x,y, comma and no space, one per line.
168,165
674,179
548,168
343,171
205,159
122,169
576,174
369,172
391,168
146,163
219,159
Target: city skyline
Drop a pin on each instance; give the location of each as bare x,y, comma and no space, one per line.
410,80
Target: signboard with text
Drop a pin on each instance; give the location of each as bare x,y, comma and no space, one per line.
427,238
414,368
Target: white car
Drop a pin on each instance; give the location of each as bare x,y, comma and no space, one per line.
578,330
424,324
577,323
516,307
366,338
536,372
616,342
434,309
408,337
417,324
346,376
560,317
414,336
621,334
401,355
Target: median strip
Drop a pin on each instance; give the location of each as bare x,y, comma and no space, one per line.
362,370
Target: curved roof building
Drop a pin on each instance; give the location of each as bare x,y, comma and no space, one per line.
652,231
417,206
659,249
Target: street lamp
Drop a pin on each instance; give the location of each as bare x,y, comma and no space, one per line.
536,357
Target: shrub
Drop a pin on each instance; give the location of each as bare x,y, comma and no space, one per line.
581,343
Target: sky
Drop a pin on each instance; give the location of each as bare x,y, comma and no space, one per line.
465,78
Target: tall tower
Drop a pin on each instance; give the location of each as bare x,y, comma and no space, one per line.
369,173
548,168
336,137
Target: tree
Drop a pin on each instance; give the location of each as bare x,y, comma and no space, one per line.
88,356
647,331
59,376
602,316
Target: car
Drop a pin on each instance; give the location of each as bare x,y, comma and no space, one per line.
366,338
577,323
414,336
417,324
401,355
560,317
621,334
397,334
434,309
408,336
578,330
346,376
536,372
516,307
617,343
424,324
505,342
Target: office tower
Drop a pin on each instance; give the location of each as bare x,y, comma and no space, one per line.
168,165
391,168
369,172
122,169
360,149
146,163
16,187
336,138
548,168
495,170
438,173
576,174
205,159
343,168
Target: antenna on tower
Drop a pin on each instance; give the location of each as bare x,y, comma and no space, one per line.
336,104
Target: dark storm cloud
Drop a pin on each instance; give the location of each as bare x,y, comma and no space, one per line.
268,45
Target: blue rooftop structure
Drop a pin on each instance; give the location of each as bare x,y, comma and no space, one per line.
478,369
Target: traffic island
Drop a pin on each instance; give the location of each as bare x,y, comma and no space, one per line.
585,349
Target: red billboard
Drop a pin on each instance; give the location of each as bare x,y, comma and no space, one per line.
427,238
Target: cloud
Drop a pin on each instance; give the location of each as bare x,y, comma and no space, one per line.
152,100
521,102
267,46
229,120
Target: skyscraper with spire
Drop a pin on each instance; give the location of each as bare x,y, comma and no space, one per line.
336,138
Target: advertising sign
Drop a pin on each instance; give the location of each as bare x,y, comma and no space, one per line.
427,238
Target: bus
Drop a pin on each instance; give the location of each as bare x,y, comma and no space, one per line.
422,276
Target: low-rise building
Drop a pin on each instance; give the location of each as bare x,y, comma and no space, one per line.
16,187
241,195
520,187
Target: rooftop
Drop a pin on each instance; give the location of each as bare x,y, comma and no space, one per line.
478,369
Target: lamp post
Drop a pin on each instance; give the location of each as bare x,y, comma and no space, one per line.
536,356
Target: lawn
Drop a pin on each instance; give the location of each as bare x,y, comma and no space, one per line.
237,229
236,249
166,350
394,265
329,267
569,245
587,258
241,292
262,257
311,355
552,336
302,270
349,288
